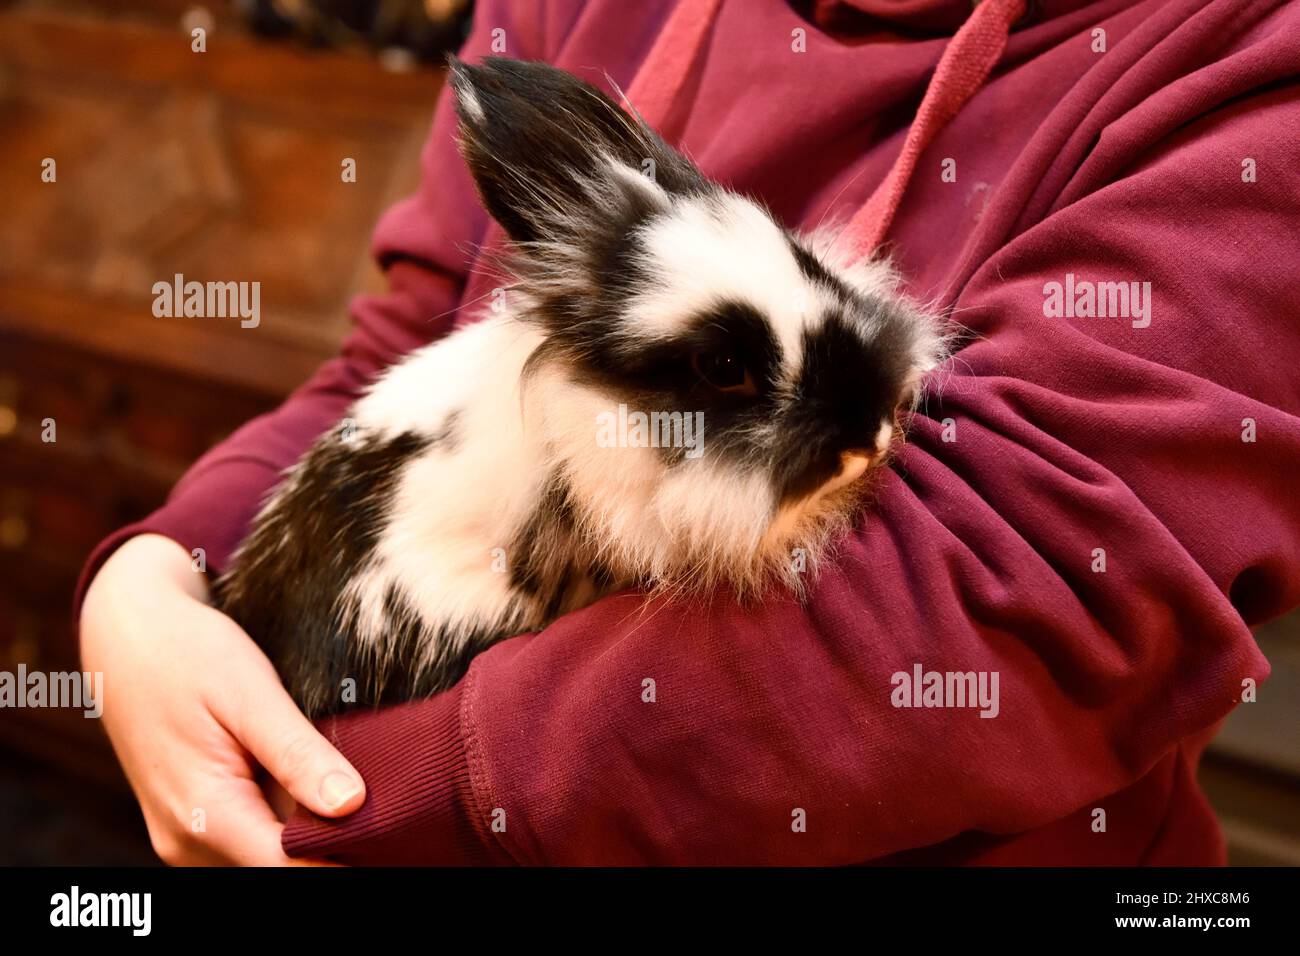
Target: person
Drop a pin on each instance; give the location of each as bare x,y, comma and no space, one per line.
1092,508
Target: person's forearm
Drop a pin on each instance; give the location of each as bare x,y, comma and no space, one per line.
422,805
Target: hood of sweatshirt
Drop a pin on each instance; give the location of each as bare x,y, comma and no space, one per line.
915,18
967,60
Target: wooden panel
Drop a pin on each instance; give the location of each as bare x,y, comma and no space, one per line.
221,166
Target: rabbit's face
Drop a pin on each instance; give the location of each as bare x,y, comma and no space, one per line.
713,387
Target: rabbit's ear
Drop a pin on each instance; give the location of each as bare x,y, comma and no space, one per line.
551,153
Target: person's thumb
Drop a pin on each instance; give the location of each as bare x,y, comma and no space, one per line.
270,726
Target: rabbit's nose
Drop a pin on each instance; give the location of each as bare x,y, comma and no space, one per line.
854,463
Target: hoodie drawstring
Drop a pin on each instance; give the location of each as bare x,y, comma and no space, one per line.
965,64
656,85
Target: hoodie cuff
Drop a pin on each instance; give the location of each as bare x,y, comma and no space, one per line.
419,809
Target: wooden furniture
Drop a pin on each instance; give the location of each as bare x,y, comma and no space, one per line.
1251,773
221,166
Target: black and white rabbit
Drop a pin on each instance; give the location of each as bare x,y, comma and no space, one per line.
468,496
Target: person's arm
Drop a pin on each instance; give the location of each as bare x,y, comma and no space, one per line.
193,707
1093,512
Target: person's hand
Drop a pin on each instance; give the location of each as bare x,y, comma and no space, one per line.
193,708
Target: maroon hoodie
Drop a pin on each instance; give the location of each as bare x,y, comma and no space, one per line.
1095,505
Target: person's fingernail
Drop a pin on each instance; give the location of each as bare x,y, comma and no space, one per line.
337,789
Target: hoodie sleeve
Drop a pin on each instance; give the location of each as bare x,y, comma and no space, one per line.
1087,517
424,244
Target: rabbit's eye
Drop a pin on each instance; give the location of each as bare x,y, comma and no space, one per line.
724,370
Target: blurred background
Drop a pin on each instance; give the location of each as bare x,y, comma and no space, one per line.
226,164
217,165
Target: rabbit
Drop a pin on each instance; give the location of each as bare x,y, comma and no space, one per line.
467,496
